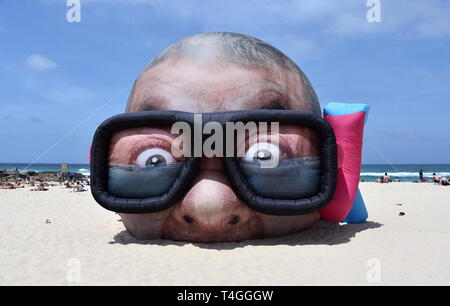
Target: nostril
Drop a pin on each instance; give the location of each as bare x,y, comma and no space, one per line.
188,219
234,220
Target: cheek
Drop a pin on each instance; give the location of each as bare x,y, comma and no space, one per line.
276,226
145,226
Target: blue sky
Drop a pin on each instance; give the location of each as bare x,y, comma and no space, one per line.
59,80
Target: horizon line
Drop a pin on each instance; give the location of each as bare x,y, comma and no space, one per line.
365,164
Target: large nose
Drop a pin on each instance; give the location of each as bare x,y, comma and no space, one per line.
211,211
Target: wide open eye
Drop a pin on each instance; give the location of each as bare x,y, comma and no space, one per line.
263,152
154,157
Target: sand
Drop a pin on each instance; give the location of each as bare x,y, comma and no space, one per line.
62,238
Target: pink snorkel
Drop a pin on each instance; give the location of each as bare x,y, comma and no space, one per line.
347,121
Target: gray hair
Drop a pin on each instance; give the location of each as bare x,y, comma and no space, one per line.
242,50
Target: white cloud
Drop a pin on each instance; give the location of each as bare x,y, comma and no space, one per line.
40,62
302,29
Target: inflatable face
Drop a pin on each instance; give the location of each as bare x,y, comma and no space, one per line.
153,176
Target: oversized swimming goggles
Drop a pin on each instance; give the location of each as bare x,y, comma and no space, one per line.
278,162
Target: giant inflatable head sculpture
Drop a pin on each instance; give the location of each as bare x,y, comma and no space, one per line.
224,140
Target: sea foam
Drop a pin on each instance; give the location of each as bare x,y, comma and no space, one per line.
404,174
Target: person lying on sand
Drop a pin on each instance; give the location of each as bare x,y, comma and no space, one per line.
8,186
444,181
20,184
40,188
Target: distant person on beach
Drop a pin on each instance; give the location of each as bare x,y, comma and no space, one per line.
435,178
78,187
8,185
386,178
40,188
60,178
444,181
421,178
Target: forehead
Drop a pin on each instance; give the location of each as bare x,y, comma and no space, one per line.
194,86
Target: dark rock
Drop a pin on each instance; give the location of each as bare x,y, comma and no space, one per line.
46,176
78,176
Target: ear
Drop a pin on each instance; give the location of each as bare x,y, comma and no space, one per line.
347,121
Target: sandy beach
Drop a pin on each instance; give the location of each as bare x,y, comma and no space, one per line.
58,237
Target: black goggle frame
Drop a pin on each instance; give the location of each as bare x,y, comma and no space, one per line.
100,161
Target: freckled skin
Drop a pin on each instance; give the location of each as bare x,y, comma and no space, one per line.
210,210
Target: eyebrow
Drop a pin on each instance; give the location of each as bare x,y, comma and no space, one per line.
275,104
148,104
147,107
257,101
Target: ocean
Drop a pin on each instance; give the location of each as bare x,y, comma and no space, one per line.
369,173
80,168
404,172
